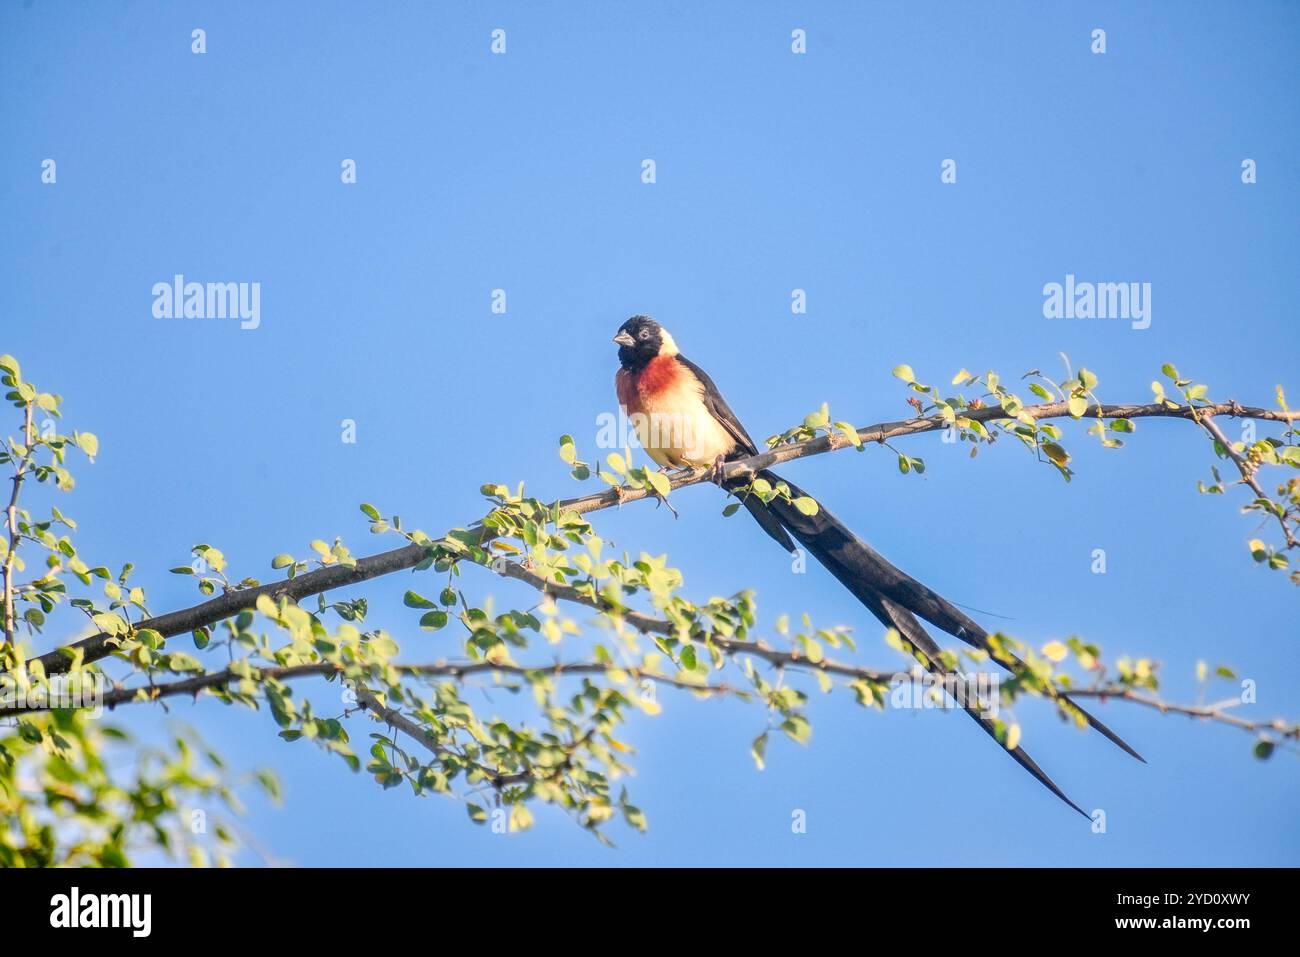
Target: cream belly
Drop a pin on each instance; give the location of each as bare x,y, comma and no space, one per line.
676,429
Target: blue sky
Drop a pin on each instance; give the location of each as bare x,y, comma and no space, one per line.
775,171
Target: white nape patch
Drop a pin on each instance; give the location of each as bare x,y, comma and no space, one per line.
667,346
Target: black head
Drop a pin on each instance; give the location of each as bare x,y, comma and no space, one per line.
640,339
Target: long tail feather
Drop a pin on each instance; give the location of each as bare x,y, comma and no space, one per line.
896,598
824,533
927,652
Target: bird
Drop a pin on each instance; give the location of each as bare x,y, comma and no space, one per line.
683,422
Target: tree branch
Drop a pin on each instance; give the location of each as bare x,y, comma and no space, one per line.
660,626
192,687
793,659
100,645
646,624
1217,712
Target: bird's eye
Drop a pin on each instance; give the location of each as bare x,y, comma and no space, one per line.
644,334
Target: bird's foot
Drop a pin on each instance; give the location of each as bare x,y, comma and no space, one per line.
715,474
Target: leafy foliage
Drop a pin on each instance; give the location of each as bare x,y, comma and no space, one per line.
561,737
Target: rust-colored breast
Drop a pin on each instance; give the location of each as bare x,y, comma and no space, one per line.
661,375
644,390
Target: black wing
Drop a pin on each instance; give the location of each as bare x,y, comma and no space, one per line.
718,408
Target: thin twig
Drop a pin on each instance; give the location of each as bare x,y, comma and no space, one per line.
1247,473
1210,712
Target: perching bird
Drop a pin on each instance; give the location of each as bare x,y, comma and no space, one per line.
682,421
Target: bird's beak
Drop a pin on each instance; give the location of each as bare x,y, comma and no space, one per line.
623,339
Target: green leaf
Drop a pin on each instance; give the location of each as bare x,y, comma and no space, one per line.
1012,737
179,661
281,561
111,624
370,511
659,482
758,750
88,443
798,728
415,600
433,620
1057,454
806,505
850,433
819,419
905,373
521,819
1264,749
568,451
1078,405
634,816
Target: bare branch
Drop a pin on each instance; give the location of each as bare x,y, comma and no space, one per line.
1217,712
